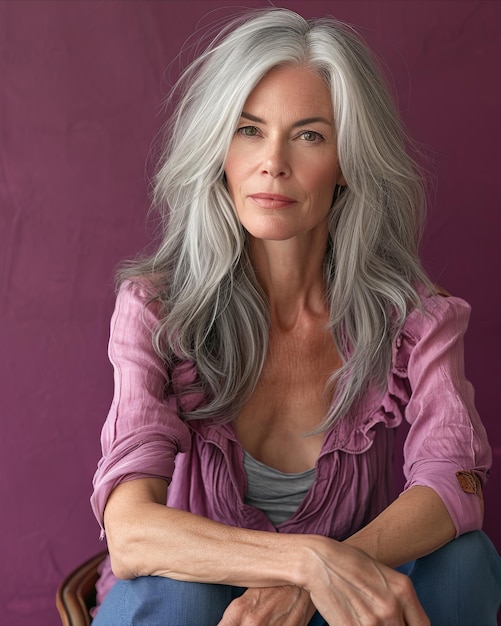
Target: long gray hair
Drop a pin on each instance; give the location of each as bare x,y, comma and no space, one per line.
214,312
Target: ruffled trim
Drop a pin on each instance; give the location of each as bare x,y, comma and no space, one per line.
356,432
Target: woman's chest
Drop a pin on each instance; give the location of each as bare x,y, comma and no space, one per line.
290,401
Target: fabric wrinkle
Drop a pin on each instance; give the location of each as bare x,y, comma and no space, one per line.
354,473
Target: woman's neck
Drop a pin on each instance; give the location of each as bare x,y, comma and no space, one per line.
291,274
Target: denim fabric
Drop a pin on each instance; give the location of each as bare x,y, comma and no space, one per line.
458,585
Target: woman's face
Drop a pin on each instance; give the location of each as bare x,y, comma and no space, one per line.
282,164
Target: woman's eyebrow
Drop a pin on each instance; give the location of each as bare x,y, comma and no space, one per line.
304,122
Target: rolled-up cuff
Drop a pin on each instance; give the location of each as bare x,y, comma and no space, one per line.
146,457
464,505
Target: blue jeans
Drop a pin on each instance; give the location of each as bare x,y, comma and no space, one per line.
458,585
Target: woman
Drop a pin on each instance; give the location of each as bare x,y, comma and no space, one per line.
270,348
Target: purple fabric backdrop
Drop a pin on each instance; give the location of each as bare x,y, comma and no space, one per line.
80,93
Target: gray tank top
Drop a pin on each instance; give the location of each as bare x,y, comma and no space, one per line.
277,494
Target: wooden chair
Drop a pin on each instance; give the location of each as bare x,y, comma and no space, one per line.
76,594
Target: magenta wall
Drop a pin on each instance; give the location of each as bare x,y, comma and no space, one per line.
80,89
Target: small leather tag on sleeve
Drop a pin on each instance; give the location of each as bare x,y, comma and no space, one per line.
468,481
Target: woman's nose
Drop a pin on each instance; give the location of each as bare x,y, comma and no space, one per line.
276,160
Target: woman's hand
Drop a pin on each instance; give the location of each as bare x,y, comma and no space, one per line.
273,606
350,588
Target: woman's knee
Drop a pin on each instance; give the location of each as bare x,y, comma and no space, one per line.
157,601
470,554
460,582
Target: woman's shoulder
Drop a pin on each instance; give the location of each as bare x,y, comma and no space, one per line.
437,308
138,304
144,287
438,320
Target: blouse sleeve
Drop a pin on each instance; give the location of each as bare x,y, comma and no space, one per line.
142,433
446,447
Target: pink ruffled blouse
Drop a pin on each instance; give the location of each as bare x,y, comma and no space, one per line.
446,446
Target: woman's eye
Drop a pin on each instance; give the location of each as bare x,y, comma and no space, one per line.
248,131
311,136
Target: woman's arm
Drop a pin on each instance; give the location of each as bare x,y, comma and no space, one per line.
415,524
146,537
412,526
446,436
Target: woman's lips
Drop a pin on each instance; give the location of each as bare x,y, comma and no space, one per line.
272,200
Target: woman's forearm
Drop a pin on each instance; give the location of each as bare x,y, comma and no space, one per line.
415,524
147,538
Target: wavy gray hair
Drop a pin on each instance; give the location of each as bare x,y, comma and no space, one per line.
214,311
